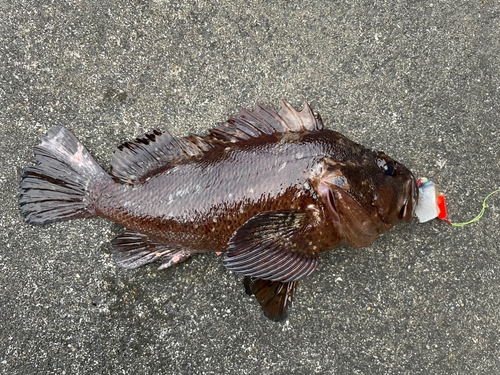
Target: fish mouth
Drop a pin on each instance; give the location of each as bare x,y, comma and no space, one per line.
405,207
411,199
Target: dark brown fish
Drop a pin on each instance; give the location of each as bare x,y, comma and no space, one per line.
273,189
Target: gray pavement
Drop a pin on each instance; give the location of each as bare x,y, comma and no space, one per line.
420,80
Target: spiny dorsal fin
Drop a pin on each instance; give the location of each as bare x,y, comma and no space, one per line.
136,160
264,121
300,121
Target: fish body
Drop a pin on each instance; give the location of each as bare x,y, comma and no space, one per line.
274,190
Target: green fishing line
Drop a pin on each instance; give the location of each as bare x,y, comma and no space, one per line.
478,216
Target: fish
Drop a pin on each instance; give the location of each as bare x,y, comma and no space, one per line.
272,190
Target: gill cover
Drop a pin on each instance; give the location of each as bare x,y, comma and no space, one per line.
358,227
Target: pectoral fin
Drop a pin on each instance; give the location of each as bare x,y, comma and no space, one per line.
132,250
274,245
275,297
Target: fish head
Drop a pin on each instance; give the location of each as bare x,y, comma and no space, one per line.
365,194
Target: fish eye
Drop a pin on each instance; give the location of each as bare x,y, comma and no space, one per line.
387,167
389,170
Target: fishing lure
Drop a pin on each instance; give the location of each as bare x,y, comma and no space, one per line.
432,204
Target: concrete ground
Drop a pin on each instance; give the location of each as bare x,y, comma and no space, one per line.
420,80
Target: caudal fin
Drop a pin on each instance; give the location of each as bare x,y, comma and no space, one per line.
57,188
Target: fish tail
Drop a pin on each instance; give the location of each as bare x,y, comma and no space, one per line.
59,187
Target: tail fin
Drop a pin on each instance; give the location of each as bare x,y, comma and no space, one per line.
57,189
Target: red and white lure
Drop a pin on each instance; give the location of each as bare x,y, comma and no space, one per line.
432,204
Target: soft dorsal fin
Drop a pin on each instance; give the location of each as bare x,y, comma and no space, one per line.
135,160
156,150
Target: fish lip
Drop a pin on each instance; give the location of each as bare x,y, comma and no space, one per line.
407,209
411,199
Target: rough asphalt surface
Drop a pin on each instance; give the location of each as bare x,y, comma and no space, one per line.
420,80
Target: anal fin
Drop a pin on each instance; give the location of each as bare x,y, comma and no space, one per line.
275,297
132,250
